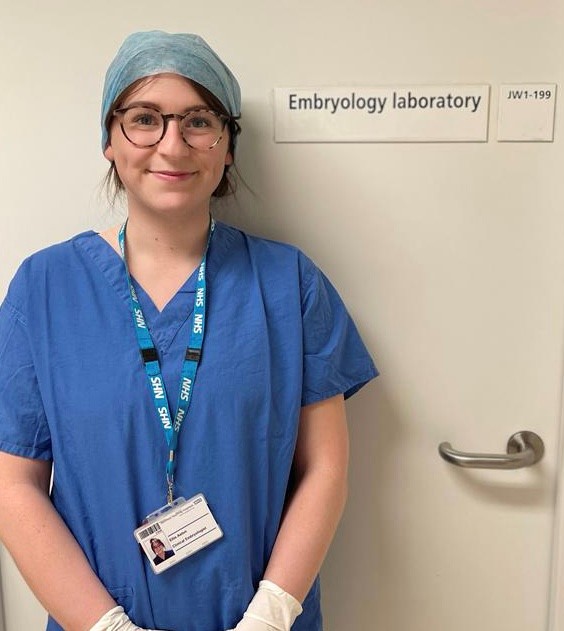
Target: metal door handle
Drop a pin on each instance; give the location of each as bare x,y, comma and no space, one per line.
523,450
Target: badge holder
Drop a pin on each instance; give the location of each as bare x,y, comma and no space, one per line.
177,531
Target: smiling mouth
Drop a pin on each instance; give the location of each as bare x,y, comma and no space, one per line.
172,176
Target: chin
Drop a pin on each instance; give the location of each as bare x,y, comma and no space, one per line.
183,208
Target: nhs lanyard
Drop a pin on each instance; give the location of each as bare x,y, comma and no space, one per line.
152,364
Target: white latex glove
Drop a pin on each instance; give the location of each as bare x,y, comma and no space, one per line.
271,609
116,620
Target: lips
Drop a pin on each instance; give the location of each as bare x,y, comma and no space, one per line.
172,176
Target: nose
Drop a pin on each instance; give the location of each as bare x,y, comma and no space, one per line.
172,140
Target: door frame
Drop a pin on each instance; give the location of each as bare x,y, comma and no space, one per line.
2,616
556,588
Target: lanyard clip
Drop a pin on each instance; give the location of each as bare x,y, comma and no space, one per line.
193,354
170,478
149,355
169,493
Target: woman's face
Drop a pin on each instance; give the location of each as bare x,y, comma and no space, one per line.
158,548
170,177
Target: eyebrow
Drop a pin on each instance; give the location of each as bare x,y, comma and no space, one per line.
154,106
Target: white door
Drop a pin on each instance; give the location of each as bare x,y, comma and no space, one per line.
450,257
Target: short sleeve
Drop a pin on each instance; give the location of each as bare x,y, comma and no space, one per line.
23,427
336,360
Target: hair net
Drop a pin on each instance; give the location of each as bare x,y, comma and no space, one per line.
152,52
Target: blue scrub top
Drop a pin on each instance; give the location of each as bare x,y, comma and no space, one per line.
74,390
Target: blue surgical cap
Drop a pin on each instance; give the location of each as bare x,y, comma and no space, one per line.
153,52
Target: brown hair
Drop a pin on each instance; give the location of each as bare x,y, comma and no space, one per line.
156,541
112,182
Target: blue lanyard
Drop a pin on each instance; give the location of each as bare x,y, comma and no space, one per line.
152,364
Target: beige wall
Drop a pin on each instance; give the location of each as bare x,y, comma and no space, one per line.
450,258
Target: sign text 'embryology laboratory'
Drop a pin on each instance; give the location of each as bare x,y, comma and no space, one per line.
394,114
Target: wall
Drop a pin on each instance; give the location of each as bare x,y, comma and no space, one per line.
447,255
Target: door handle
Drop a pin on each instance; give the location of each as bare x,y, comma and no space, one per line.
523,450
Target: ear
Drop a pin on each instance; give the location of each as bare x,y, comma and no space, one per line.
228,159
109,153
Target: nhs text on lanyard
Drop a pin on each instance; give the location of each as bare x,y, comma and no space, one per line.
151,360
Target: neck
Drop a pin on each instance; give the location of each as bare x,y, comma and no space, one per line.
169,239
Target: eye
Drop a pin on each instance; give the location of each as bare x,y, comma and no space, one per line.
201,121
141,117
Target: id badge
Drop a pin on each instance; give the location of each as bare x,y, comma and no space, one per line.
177,531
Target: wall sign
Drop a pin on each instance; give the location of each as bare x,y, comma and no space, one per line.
450,113
526,112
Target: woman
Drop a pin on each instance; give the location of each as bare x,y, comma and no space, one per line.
161,554
97,333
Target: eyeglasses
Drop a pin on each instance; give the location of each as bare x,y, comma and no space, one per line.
146,126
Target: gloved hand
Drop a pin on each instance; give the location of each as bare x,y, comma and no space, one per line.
116,620
271,609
